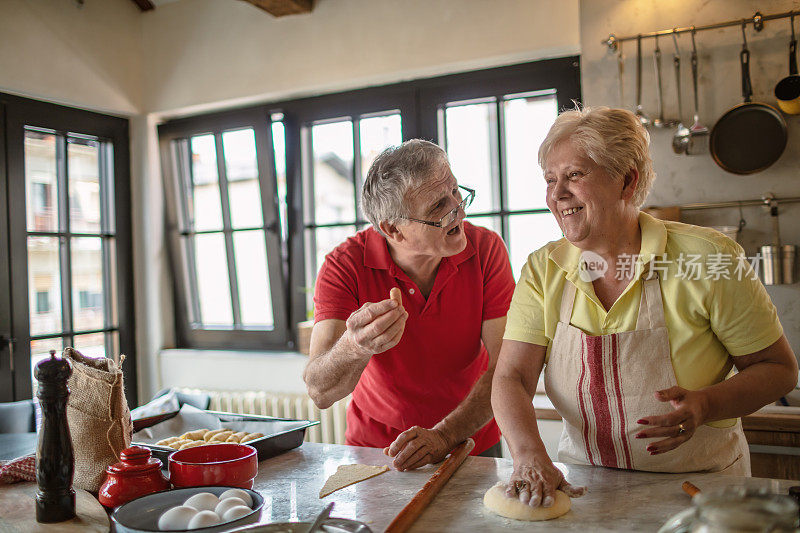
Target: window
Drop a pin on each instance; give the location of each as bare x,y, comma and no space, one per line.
259,196
69,239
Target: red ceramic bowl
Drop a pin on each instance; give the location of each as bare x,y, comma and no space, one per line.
234,465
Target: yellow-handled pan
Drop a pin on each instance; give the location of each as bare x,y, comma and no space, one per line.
787,91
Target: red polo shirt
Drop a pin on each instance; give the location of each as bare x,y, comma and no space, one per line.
440,356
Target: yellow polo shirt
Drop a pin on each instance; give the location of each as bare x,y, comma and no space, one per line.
707,315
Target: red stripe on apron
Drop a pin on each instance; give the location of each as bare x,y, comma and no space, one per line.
584,415
618,392
599,399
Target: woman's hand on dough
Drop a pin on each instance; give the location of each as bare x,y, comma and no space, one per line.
535,480
416,447
679,425
376,327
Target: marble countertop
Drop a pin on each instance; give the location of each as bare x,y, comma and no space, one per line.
617,500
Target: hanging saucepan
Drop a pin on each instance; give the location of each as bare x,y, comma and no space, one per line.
788,89
751,136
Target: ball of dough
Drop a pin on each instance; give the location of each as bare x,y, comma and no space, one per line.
203,501
496,500
204,519
235,513
237,493
226,504
176,518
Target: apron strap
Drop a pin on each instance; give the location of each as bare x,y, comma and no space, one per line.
567,301
651,306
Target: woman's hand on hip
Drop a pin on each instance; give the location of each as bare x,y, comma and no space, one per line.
535,480
678,426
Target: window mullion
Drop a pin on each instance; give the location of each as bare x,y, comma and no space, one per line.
184,180
358,179
227,230
502,172
65,240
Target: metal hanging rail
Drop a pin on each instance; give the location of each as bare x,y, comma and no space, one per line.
757,20
766,201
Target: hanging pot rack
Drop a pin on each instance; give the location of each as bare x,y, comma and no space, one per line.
766,201
757,20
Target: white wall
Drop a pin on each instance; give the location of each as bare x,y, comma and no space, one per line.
687,179
88,56
203,52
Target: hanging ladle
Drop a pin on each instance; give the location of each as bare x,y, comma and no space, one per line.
680,140
644,119
698,134
660,121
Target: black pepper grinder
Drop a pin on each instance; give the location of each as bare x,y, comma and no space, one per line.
55,462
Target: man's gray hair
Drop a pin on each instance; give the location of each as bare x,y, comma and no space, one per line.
393,173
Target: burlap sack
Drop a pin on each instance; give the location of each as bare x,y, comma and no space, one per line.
98,417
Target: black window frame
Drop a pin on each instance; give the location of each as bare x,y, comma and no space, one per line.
17,114
418,102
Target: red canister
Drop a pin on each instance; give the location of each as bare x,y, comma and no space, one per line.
135,475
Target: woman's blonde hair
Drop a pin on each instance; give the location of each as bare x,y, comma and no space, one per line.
612,138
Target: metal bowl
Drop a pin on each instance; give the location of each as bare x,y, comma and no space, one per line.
331,525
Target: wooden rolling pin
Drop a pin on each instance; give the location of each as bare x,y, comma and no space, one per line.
690,489
420,501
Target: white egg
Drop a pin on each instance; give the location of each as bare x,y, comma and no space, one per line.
237,493
227,503
176,518
204,519
236,512
202,501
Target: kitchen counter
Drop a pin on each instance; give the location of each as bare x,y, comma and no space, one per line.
617,500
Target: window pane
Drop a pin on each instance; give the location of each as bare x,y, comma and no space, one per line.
279,150
377,134
44,285
40,349
213,286
83,176
334,199
41,184
242,170
527,121
205,208
87,283
528,233
471,142
325,240
493,223
255,301
91,345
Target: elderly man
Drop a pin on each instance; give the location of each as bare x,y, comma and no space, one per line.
419,365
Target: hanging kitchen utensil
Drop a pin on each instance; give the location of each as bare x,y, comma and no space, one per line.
660,121
621,71
698,133
787,91
750,136
771,253
680,140
643,118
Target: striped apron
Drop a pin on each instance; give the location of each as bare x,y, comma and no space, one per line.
601,385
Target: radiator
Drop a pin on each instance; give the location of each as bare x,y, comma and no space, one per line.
283,405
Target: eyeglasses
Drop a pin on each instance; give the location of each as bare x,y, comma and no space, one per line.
451,216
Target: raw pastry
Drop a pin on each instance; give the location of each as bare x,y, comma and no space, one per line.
251,436
197,434
208,436
167,441
396,295
178,443
347,475
236,437
496,500
220,437
193,443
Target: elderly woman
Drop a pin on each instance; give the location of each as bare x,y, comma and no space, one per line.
420,372
637,348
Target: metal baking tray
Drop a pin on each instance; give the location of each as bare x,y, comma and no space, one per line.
280,434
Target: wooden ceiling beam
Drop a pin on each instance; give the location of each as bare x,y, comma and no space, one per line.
280,8
144,5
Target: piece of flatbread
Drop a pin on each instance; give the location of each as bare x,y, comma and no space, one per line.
347,475
496,500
